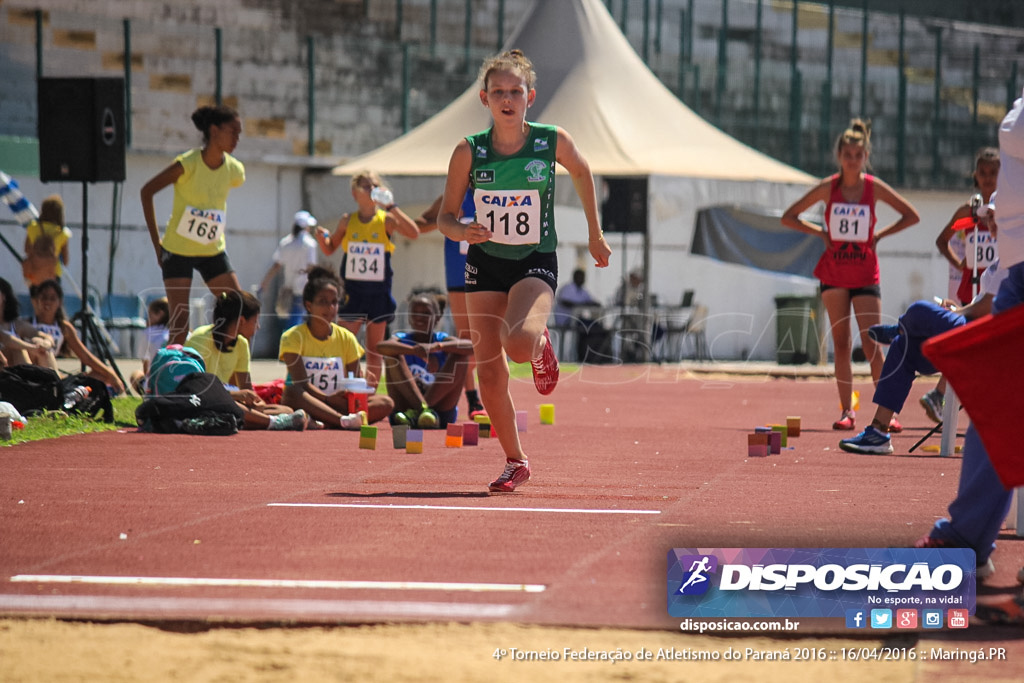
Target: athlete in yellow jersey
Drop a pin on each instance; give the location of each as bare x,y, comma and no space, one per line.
365,238
194,237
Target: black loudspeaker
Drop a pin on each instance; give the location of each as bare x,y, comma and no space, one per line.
81,129
625,206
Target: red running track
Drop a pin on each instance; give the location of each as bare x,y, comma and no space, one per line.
638,462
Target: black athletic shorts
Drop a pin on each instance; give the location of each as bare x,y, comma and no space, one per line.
177,266
867,290
486,273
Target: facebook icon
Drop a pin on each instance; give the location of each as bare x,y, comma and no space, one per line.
856,618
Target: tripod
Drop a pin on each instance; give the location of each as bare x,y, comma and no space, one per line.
93,332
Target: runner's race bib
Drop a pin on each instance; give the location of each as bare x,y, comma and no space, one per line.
325,374
512,216
203,226
849,222
982,251
365,261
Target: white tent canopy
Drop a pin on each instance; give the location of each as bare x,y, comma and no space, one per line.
627,124
592,83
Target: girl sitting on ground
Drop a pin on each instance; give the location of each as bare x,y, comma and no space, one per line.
425,369
157,314
320,355
224,346
20,343
49,318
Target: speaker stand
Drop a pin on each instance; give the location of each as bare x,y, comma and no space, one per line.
92,328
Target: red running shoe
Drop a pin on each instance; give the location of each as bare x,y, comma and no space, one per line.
894,426
545,368
846,422
1009,612
517,472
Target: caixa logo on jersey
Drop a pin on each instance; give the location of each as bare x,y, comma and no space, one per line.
816,582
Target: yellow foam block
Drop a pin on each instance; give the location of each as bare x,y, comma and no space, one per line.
368,443
413,446
935,448
547,413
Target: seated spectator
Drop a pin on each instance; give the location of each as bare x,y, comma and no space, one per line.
921,321
49,318
157,314
592,339
320,355
20,343
224,347
425,369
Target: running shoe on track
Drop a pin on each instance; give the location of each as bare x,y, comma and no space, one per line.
846,422
933,403
517,473
545,368
1009,612
869,442
984,570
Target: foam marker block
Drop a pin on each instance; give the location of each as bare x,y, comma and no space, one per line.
414,441
470,434
775,442
453,437
547,413
757,445
793,425
368,437
781,429
521,420
398,435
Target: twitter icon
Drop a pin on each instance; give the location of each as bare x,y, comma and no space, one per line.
881,618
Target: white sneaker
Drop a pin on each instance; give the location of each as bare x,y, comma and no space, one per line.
292,421
353,420
985,570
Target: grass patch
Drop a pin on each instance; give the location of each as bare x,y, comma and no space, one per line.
52,424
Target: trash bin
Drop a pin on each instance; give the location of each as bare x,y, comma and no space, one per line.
797,329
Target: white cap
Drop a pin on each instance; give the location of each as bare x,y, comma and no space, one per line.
305,219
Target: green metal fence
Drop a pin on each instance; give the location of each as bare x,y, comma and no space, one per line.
783,76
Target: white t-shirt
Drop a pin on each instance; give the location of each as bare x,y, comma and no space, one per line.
1010,202
991,279
296,255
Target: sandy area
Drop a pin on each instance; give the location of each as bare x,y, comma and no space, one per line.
55,651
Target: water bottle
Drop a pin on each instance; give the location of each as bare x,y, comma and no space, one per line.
382,196
76,396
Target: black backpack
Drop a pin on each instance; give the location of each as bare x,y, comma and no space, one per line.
200,405
31,389
96,402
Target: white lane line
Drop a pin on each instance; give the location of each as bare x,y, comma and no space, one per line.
300,609
281,583
578,511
